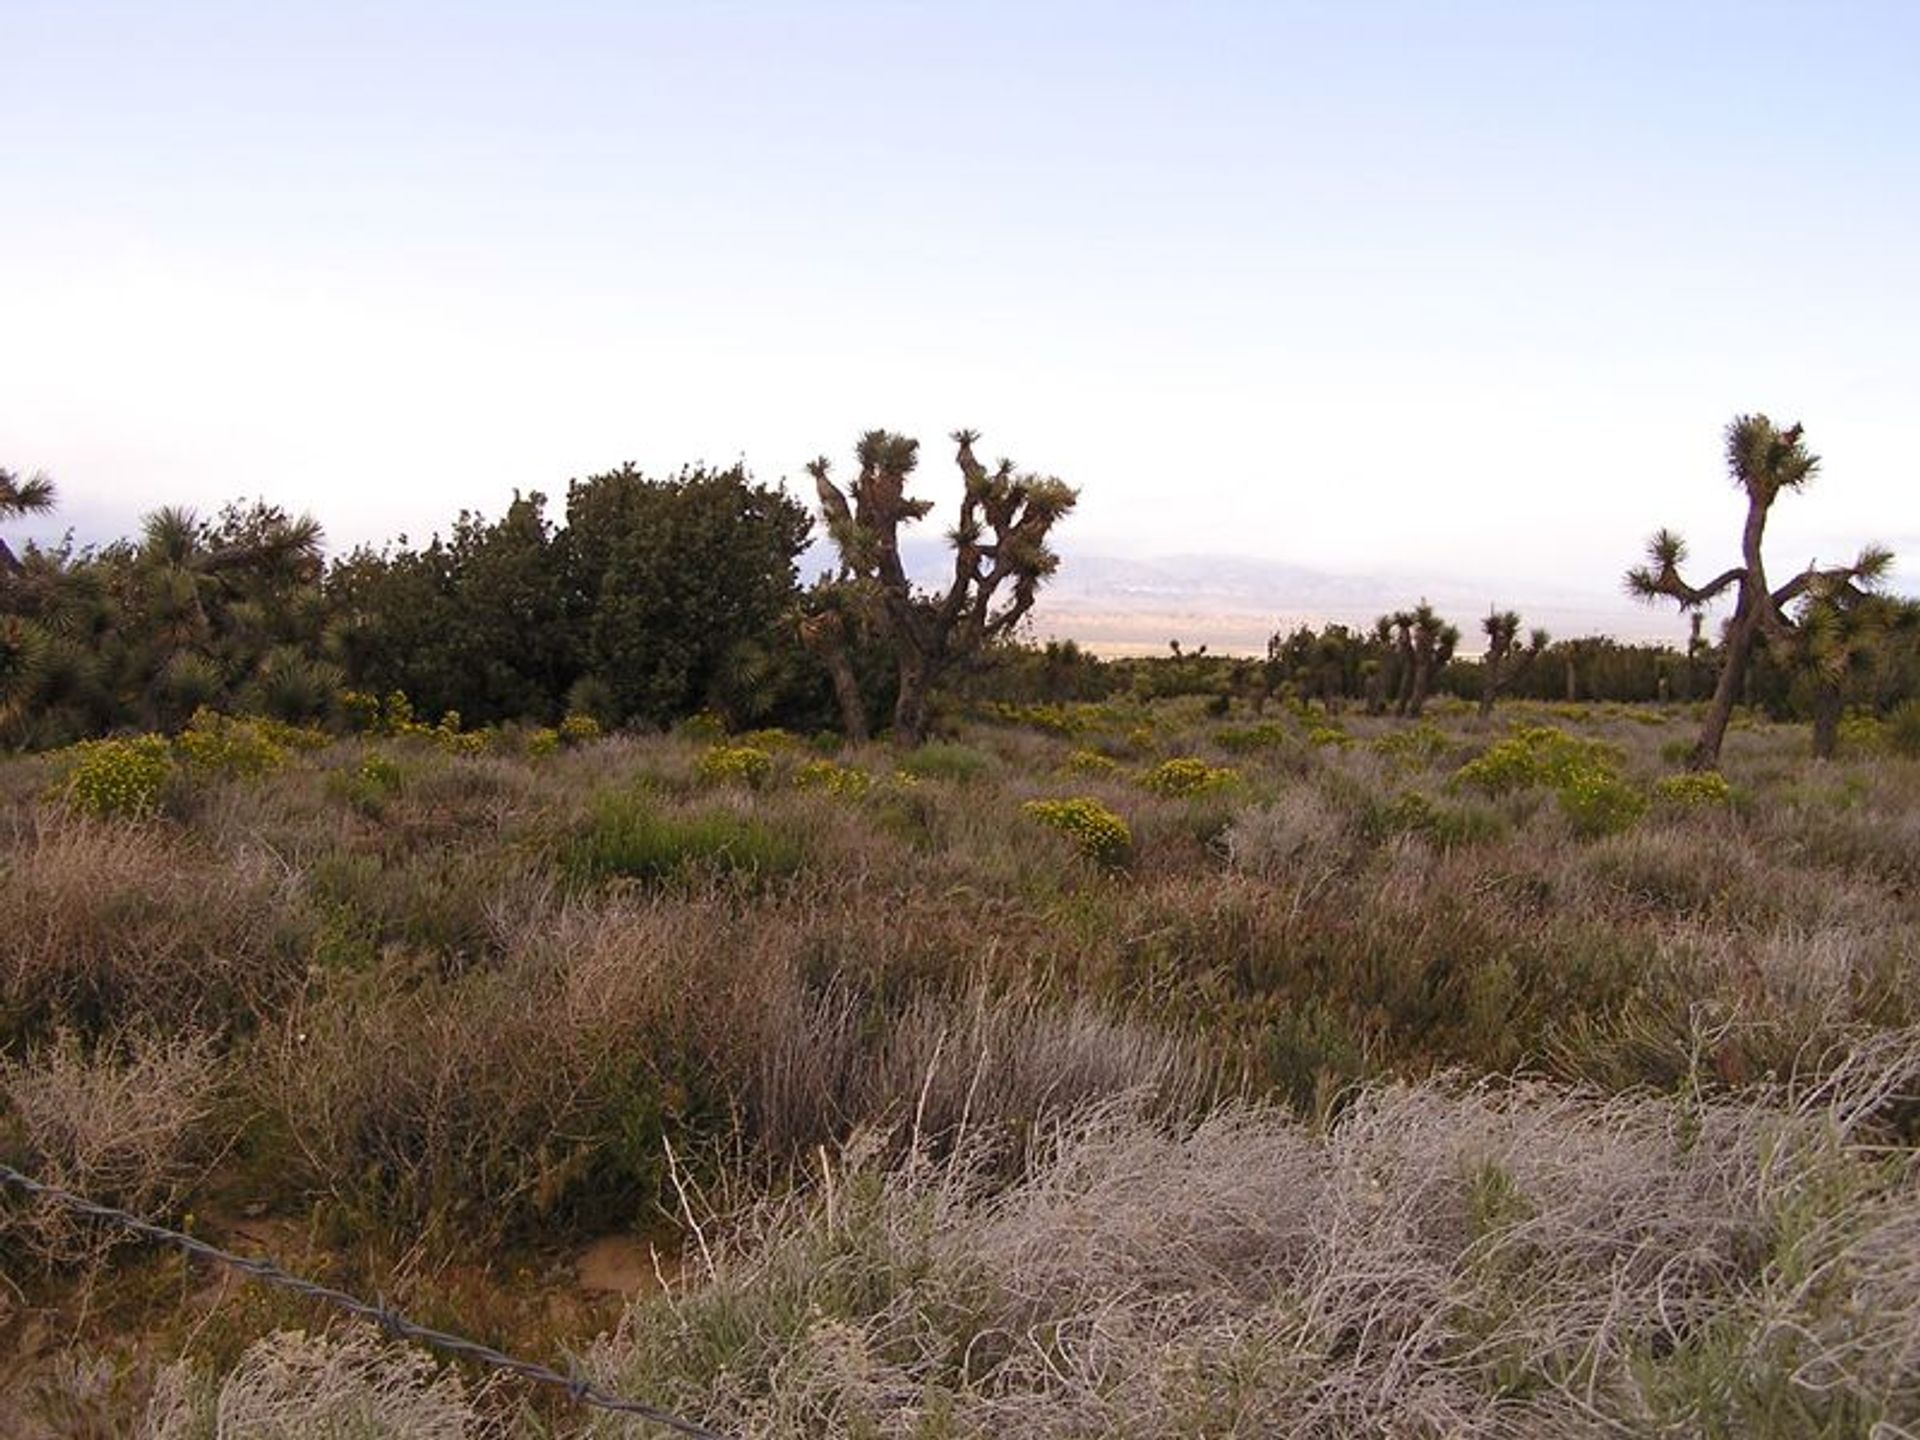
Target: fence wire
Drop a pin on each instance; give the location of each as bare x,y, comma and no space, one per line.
577,1388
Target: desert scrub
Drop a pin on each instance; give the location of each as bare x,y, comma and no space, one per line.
629,837
1099,834
1185,775
289,1384
221,745
118,779
1536,755
1597,802
1697,788
957,764
735,765
845,781
1422,744
1903,730
1447,826
129,1121
369,785
1267,735
1089,762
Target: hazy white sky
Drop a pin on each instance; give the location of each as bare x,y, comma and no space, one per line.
1465,287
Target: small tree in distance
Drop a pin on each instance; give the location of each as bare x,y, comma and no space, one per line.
999,544
1502,628
1763,461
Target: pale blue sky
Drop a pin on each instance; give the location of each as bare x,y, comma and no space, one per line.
1461,288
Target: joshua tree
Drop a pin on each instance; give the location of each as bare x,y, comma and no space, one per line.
31,496
1001,540
1841,634
1763,462
1378,649
1425,643
1502,627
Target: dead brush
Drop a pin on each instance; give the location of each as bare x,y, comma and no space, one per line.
112,923
1475,1260
292,1386
132,1122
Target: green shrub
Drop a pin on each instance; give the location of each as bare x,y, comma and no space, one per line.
1055,718
1703,787
1185,775
1101,835
1599,803
1267,735
124,779
1420,744
735,765
369,785
541,742
705,726
956,763
1537,755
1447,826
578,729
628,837
1325,735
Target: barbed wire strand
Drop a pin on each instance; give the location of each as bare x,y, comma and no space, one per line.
394,1323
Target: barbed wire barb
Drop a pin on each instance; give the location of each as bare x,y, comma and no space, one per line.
576,1386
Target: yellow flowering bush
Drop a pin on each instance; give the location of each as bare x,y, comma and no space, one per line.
215,744
1325,735
846,781
1100,835
1185,775
735,764
1536,755
360,710
1089,762
1704,787
1599,803
119,778
544,741
578,729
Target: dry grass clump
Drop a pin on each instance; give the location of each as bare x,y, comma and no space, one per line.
293,1386
1298,836
1445,1261
111,923
131,1123
543,1092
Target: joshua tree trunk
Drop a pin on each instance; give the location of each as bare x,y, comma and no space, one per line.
1422,679
1705,754
1828,704
846,694
910,709
824,633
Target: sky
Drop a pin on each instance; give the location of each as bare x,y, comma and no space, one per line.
1462,290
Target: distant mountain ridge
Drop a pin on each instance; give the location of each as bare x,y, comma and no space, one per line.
1120,605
